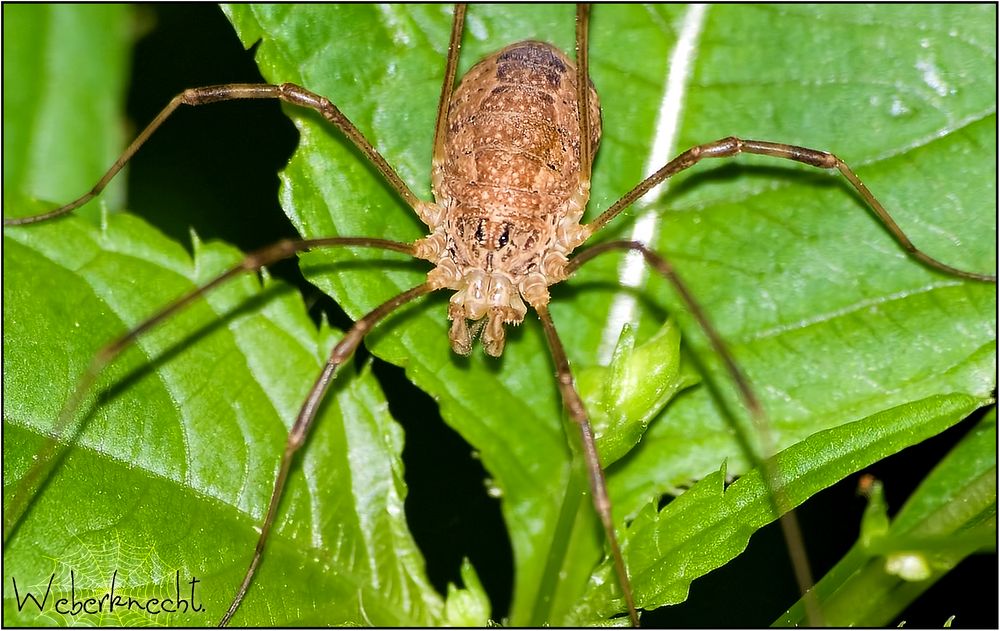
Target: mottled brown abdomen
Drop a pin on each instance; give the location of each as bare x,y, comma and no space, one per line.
513,133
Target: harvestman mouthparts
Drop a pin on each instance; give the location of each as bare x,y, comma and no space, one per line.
514,145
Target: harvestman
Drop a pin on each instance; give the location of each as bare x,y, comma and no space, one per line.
513,150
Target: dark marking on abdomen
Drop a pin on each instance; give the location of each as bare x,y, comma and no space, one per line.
530,63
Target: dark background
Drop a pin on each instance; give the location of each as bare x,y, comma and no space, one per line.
215,169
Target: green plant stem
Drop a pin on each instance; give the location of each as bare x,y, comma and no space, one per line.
575,491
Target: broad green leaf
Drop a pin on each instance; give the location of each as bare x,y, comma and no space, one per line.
173,469
53,104
830,318
164,485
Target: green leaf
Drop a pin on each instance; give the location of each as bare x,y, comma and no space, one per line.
710,524
951,515
174,466
170,471
625,396
53,104
468,606
832,321
830,318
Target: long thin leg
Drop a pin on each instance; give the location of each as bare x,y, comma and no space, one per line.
253,262
731,146
287,92
598,486
297,436
789,522
450,69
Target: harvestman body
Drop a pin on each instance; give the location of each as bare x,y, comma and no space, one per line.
513,150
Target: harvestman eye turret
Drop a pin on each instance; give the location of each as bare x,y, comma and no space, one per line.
513,148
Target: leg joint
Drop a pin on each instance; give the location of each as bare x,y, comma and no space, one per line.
274,252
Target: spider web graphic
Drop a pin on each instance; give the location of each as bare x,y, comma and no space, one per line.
87,571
